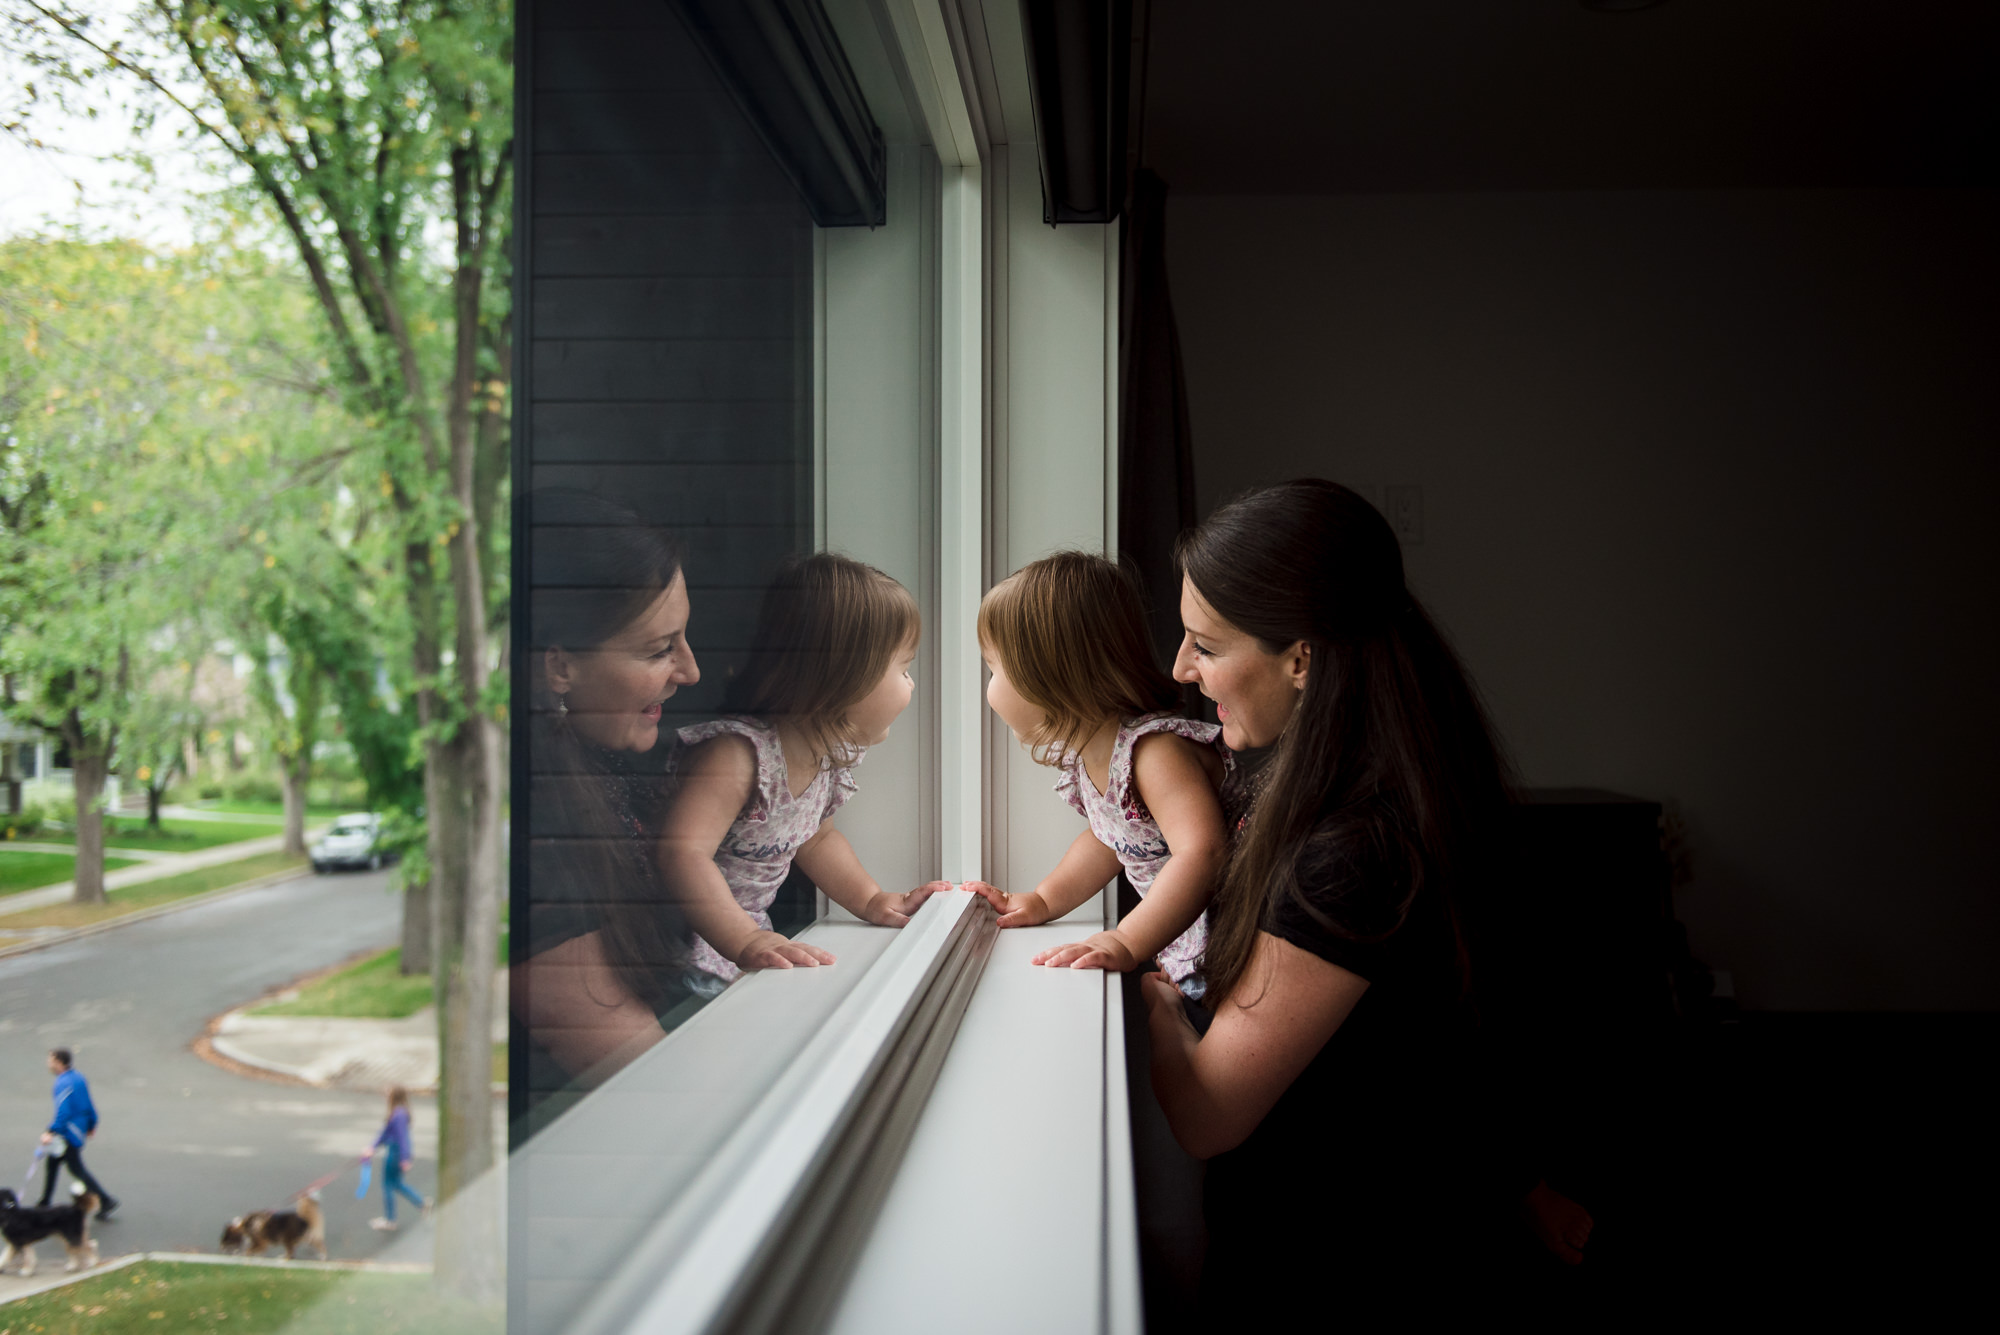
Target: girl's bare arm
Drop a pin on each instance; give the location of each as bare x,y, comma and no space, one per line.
1175,786
717,778
1082,873
832,864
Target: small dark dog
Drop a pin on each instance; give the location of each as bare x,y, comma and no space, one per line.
25,1225
256,1232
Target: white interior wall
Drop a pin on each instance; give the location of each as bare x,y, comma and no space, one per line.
879,495
1706,481
1052,476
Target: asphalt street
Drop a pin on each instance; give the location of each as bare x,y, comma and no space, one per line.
182,1144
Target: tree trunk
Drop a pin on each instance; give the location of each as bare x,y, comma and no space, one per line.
465,934
296,772
90,762
153,809
416,954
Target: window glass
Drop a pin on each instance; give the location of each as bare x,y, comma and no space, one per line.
725,722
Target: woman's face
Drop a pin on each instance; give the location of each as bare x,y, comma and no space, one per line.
614,691
1254,690
881,707
1025,719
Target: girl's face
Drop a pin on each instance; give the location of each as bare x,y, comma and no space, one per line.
870,720
1254,690
1025,719
614,691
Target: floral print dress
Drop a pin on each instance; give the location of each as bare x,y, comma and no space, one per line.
1121,822
756,855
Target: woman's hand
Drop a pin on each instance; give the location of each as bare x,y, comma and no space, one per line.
1106,950
1561,1224
1015,910
887,910
408,1164
769,950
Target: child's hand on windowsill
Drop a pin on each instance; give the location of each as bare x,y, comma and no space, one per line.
887,910
1106,950
771,950
1026,910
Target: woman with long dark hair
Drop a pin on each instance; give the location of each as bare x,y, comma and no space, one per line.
1334,1091
607,951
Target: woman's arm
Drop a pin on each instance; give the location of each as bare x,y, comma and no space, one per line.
571,1000
830,861
718,777
1176,788
1083,871
1216,1088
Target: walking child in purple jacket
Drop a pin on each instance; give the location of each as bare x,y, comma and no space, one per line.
395,1135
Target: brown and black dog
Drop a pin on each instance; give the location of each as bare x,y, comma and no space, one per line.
256,1232
22,1226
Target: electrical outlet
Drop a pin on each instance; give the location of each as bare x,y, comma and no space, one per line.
1404,508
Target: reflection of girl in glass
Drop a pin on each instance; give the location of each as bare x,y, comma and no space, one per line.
829,672
1074,677
607,952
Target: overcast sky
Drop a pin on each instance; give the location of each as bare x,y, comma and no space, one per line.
39,188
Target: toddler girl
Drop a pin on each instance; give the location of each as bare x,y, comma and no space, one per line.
829,671
1074,677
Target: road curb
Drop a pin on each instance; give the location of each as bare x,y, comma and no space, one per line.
37,1287
157,911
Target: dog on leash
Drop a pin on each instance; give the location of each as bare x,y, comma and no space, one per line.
255,1233
22,1226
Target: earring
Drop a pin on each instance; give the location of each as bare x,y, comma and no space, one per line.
562,703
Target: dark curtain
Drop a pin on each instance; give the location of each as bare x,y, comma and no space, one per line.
1155,450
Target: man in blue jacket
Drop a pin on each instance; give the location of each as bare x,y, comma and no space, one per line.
75,1122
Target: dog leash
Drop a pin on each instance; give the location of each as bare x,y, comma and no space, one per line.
42,1152
318,1182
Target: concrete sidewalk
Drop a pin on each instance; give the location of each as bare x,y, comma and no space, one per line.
339,1053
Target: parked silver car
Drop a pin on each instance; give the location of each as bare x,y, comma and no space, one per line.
352,842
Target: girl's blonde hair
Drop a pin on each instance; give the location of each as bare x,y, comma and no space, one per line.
827,632
1070,632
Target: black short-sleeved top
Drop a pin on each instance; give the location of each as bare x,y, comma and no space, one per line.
1379,1137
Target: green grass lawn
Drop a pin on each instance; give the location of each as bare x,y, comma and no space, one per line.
25,871
227,807
148,893
173,836
157,1297
368,989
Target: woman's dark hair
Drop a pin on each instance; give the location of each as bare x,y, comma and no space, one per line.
1388,760
598,568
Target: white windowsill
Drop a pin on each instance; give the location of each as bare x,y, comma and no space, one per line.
1023,1139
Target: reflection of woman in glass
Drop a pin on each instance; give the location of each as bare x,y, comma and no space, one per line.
829,672
607,952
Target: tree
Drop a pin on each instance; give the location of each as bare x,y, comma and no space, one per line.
366,128
102,405
158,734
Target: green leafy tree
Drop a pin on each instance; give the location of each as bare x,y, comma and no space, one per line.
158,734
103,402
377,136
